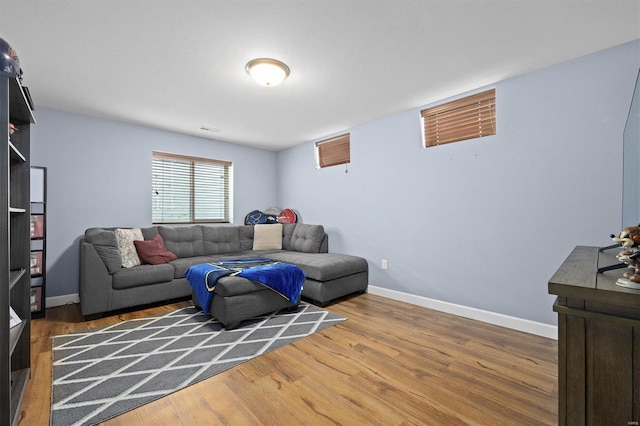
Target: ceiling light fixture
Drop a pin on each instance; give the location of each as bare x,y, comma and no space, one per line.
267,71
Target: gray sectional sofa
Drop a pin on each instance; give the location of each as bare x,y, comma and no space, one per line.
105,285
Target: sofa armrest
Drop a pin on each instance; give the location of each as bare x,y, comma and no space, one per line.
95,281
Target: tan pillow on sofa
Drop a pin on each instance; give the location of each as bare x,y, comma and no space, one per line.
267,237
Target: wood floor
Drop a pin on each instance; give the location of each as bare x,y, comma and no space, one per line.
390,363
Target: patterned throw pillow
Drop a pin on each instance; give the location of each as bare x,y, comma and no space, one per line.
127,249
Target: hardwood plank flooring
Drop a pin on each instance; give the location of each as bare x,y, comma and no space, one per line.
390,363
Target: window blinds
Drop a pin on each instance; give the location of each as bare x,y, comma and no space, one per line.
467,118
189,189
334,151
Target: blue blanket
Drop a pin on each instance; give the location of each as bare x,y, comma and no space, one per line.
283,278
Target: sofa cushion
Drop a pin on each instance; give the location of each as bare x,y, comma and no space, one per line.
221,239
149,233
128,253
307,238
142,275
106,246
153,251
287,232
184,241
246,237
267,237
323,266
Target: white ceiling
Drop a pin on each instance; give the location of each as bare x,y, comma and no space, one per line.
179,64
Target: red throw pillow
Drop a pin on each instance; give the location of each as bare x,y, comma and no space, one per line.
153,251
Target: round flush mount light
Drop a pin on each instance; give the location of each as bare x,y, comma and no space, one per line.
267,71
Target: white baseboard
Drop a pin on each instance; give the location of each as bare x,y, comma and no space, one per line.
52,302
532,327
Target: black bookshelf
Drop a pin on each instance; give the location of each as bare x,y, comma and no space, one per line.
16,118
38,233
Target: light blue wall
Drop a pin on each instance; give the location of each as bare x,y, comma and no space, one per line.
481,223
99,174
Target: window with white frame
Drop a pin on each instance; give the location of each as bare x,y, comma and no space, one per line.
190,189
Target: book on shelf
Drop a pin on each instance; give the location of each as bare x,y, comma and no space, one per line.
36,299
14,319
35,263
37,226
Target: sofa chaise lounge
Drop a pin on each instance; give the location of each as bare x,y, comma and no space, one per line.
105,285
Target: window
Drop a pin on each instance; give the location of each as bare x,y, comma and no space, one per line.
467,118
333,151
189,189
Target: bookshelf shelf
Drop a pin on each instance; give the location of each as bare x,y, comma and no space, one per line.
14,277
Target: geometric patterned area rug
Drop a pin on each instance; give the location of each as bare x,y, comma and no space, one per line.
102,373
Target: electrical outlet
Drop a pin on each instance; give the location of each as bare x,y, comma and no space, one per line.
384,264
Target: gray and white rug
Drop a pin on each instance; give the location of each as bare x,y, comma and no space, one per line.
102,373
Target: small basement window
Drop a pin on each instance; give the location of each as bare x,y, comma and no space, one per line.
467,118
334,151
190,189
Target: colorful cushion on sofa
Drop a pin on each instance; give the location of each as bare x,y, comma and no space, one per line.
127,250
267,237
154,251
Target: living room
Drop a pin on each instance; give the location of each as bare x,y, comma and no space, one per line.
523,198
474,228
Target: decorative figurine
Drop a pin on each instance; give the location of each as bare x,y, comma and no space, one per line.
629,238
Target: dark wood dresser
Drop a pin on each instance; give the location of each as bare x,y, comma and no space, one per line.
598,341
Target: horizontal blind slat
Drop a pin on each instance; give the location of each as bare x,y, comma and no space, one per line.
477,123
187,159
487,96
468,123
469,114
